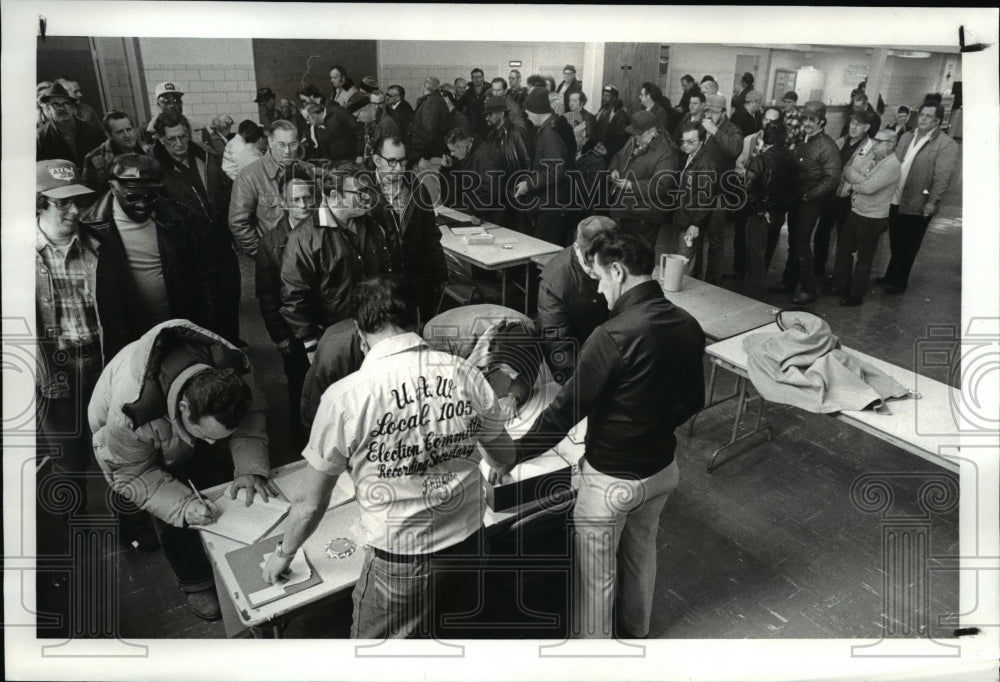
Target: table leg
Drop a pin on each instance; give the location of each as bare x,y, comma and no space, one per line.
741,444
527,285
711,394
503,287
271,630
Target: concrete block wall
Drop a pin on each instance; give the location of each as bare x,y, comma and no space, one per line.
216,76
208,92
119,84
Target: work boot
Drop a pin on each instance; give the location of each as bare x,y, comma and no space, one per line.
204,604
803,296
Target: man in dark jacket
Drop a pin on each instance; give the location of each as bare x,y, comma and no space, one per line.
745,117
817,171
342,128
404,210
690,86
642,174
472,102
64,136
724,144
123,138
569,305
568,85
547,189
640,376
612,119
767,182
193,178
510,146
474,176
696,200
430,124
400,110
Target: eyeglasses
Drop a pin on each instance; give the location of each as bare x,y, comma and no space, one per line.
364,199
136,197
174,99
393,163
66,204
287,146
178,139
62,104
390,95
688,142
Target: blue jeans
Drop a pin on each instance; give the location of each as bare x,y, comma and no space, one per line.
420,595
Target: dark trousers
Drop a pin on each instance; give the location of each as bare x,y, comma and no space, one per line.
774,233
550,226
861,235
833,218
296,364
226,306
64,430
740,220
716,239
758,236
802,217
906,233
648,232
182,546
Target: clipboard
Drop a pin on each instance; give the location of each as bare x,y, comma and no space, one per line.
245,564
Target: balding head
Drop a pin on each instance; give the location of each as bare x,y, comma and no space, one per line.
589,228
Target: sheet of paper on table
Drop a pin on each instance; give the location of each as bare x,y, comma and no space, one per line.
247,565
462,230
239,522
290,481
298,572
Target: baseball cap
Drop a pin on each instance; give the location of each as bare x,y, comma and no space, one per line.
570,68
59,179
495,104
862,117
715,102
814,108
167,88
369,84
137,171
641,122
612,89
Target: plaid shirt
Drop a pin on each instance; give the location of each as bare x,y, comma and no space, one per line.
72,298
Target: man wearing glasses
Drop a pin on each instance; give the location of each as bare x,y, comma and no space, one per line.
256,205
405,212
64,136
170,100
399,109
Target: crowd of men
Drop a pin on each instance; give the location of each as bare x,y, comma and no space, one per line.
138,289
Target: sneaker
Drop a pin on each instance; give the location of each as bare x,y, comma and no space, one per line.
204,604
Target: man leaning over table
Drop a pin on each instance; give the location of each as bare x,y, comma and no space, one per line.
640,376
158,409
406,425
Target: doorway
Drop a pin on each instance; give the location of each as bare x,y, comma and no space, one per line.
745,63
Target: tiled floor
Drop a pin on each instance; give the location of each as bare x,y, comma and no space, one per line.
772,545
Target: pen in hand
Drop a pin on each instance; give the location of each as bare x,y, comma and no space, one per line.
209,507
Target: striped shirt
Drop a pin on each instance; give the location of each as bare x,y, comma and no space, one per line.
74,301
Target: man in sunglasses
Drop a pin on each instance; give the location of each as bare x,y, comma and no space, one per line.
170,100
164,269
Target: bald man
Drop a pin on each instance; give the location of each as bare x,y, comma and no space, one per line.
569,305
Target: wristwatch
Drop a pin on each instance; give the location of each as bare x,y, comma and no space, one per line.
281,553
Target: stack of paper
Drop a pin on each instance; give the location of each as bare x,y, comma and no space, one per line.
236,521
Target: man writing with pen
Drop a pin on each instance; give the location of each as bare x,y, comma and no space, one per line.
162,410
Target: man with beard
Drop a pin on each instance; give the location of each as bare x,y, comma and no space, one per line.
123,138
193,178
612,119
64,136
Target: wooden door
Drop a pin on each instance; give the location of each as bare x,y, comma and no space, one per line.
627,66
